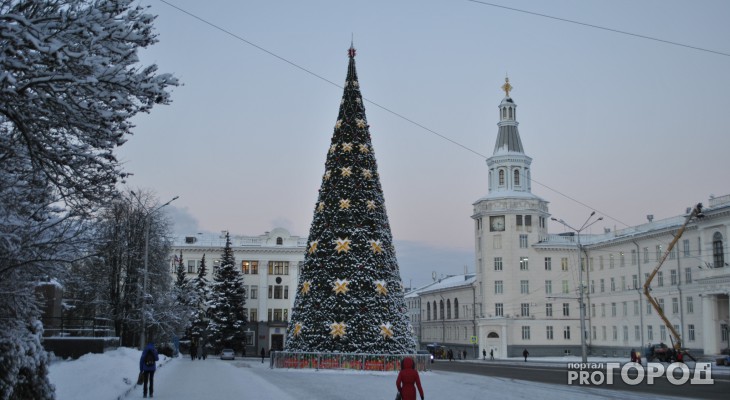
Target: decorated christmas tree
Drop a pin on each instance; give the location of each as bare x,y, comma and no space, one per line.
350,295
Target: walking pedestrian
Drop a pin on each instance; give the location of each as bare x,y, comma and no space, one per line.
491,354
408,380
147,366
525,353
263,354
484,353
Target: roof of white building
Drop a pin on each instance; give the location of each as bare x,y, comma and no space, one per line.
450,282
219,240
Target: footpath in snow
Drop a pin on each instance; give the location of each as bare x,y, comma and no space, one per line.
111,376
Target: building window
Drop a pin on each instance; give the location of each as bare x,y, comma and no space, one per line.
548,309
718,255
675,305
635,281
723,333
613,309
648,308
253,315
633,257
636,307
566,288
523,241
548,287
525,333
279,241
548,264
691,332
566,309
249,338
600,262
564,263
623,283
528,220
662,333
516,172
593,286
448,308
523,264
685,247
428,311
661,304
690,305
250,267
660,277
456,308
501,177
519,220
611,261
254,292
613,284
498,309
549,332
615,333
688,275
673,277
646,255
603,309
650,332
525,309
525,287
441,308
603,286
593,310
191,267
497,263
637,332
622,262
498,288
278,267
625,308
566,333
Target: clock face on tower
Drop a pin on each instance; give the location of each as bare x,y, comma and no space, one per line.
496,223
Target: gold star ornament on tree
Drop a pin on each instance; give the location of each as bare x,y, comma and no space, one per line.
364,148
386,330
371,205
313,247
376,246
380,287
344,204
346,171
297,329
306,285
347,147
360,123
340,286
342,245
337,329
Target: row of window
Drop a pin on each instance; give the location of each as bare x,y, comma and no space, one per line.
525,261
248,267
447,315
689,309
549,334
275,291
275,314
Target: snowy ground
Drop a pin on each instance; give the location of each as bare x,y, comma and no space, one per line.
111,375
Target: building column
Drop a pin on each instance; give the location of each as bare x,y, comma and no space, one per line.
709,324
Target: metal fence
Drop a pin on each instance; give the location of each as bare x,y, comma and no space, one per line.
355,361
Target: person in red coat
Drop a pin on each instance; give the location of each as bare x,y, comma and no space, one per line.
408,380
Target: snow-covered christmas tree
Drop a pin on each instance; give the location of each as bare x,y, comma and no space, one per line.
227,304
350,295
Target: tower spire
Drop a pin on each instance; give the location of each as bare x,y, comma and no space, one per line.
506,87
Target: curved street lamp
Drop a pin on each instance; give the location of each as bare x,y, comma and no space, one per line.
581,304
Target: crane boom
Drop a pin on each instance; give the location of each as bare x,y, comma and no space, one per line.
696,212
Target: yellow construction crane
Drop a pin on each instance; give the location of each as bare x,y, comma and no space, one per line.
677,339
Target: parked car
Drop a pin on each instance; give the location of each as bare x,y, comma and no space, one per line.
228,354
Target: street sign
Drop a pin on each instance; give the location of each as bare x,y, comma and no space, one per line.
474,340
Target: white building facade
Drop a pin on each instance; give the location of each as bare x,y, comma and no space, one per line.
527,281
270,265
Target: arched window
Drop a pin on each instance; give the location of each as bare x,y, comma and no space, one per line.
501,177
510,113
517,177
504,113
279,241
456,308
428,311
435,311
448,308
492,335
441,308
718,254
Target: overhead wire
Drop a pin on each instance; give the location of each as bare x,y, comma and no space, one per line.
411,121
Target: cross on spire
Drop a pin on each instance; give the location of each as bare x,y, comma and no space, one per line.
506,87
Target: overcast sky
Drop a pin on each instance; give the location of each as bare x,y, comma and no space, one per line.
615,123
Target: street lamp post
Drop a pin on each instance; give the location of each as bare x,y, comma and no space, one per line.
143,335
581,303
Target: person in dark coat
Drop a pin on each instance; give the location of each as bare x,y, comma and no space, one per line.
491,354
148,366
263,354
408,380
525,353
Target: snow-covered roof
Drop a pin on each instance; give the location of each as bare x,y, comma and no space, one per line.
219,240
450,282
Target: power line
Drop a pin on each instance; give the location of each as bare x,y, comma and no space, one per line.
600,27
295,65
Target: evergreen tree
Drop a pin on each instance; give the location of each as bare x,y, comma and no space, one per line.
202,294
181,281
226,309
350,295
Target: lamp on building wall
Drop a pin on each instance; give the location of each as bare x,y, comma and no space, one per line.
581,303
143,335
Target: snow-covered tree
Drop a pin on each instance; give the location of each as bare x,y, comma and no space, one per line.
69,85
200,287
350,296
228,301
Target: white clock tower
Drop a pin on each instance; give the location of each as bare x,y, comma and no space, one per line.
508,221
